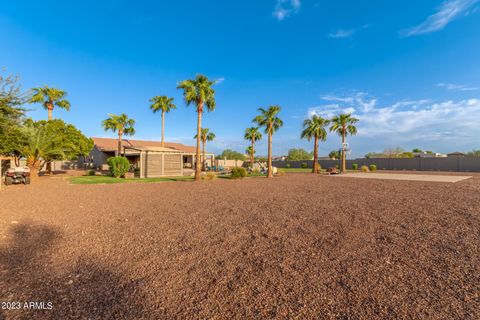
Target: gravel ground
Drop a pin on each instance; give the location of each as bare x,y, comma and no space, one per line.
295,247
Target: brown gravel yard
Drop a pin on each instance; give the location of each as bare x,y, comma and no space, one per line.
295,247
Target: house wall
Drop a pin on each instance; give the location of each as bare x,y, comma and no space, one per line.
454,164
157,164
228,163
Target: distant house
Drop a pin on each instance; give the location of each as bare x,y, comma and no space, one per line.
428,155
456,154
152,160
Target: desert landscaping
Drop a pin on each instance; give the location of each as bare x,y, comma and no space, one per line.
299,246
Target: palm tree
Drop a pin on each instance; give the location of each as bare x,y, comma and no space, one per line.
269,119
206,135
252,134
343,124
39,146
315,128
164,104
199,92
49,98
120,124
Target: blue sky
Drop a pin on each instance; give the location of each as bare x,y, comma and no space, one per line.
409,70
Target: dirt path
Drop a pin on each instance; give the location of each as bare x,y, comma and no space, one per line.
298,246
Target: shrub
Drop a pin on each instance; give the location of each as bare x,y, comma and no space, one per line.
91,172
210,176
118,166
288,165
304,165
372,167
280,172
355,166
365,169
337,166
238,173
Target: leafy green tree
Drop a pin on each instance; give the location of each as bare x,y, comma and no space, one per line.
473,153
47,141
165,105
11,116
298,154
200,92
344,124
417,150
49,98
252,134
315,128
206,135
121,124
249,150
269,119
231,155
335,154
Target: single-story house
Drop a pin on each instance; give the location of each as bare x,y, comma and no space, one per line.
152,160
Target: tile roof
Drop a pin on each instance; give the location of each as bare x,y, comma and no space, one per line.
108,144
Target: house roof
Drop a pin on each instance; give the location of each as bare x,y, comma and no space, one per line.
108,144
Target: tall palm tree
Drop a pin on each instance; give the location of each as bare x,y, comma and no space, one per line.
120,124
343,124
165,105
269,119
206,135
252,134
49,98
315,128
199,92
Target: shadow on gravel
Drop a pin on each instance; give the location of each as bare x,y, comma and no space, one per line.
86,290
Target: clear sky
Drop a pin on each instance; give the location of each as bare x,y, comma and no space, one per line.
409,70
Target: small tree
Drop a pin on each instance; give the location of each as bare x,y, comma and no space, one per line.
120,124
206,135
118,166
298,154
231,155
252,134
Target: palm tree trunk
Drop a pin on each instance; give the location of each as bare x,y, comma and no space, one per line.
315,155
50,113
270,172
34,166
198,168
50,109
163,128
203,156
119,149
252,154
344,166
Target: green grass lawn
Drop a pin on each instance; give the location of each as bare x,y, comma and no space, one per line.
109,180
296,170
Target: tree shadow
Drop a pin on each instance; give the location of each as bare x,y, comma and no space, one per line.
84,289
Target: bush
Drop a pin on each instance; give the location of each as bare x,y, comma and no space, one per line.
337,166
355,166
238,173
288,165
210,176
280,172
304,165
372,167
90,172
365,169
118,166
